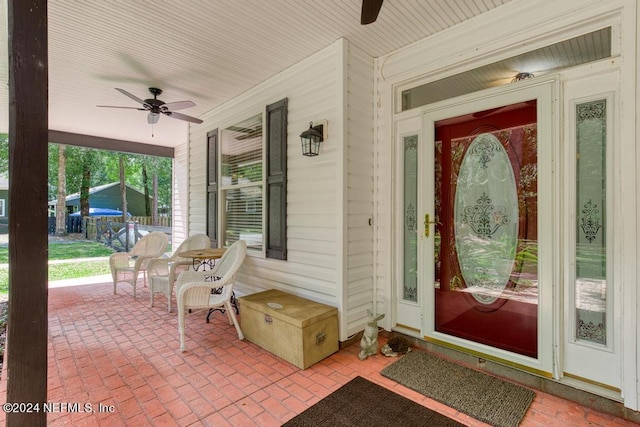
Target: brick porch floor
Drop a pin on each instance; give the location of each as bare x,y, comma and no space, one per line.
113,350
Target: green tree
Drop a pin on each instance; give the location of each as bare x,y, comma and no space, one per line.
123,185
164,168
87,168
4,153
61,210
156,167
81,161
145,185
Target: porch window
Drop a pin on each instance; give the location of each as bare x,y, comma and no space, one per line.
247,182
579,50
241,182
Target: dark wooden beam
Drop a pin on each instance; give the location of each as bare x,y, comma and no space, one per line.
101,143
28,131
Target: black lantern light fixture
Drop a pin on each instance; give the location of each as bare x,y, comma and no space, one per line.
311,139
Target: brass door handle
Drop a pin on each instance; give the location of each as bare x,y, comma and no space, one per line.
428,222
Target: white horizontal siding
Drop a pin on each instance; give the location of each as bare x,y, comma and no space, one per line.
359,286
180,200
383,199
305,283
197,179
326,246
311,87
312,247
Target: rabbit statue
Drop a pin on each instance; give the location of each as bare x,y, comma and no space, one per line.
369,341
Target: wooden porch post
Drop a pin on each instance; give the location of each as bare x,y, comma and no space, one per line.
28,132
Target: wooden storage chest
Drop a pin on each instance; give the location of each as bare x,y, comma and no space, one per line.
298,330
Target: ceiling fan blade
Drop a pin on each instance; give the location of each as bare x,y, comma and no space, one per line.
116,106
184,117
135,98
370,11
178,105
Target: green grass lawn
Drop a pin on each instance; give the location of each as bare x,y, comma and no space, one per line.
67,270
68,251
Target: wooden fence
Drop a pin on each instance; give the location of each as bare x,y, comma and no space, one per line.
87,225
163,221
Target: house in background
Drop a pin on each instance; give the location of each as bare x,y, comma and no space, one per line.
106,196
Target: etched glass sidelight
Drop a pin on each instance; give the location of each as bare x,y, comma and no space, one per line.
591,260
410,288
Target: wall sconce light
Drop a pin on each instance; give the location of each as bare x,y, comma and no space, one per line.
312,137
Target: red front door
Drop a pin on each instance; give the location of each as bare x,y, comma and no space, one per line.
486,236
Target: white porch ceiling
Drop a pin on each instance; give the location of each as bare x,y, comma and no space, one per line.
204,51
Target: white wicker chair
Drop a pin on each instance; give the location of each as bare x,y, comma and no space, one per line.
125,266
194,288
163,271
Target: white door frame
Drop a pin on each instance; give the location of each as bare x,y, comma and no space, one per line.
545,91
592,366
407,314
433,59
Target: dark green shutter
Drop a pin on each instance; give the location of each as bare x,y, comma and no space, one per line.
212,187
276,170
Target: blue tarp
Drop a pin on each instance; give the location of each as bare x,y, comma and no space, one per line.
101,212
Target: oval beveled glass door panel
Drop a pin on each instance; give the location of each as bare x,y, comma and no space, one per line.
486,218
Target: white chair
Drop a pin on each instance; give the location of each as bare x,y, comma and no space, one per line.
125,266
194,288
164,271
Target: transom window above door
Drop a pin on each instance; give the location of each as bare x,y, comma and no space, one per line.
576,51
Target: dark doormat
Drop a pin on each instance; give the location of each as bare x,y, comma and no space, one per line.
363,403
484,397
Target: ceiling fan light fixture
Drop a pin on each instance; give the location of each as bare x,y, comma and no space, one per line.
153,118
